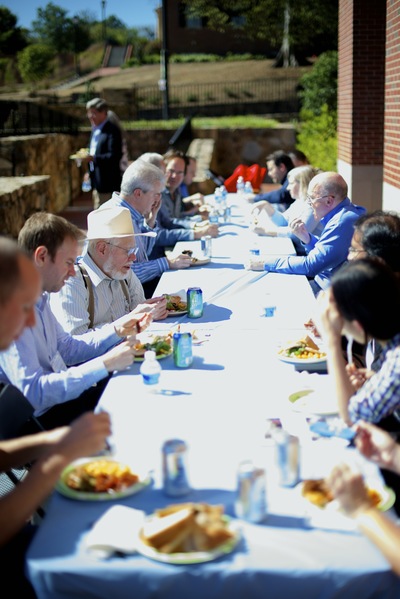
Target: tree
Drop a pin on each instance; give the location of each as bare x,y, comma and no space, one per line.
319,86
53,28
311,26
12,38
34,62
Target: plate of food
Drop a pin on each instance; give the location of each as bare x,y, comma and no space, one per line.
196,260
309,401
188,533
176,303
82,153
302,351
100,478
318,494
161,344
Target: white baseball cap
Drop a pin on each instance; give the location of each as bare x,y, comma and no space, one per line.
106,223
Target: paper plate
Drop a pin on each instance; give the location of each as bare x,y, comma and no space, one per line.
64,489
194,557
308,401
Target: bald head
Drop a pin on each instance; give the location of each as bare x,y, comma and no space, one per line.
330,184
18,293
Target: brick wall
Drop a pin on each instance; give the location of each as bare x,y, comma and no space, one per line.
361,81
392,96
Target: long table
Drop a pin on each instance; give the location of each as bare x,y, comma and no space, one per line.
220,406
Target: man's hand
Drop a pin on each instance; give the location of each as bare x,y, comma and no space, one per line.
378,446
84,437
197,199
134,322
121,356
349,489
206,228
178,262
158,306
299,229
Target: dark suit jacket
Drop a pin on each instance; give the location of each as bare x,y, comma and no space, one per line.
106,176
278,196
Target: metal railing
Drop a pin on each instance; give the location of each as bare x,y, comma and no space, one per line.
29,118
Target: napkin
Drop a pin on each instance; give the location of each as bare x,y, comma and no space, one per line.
116,530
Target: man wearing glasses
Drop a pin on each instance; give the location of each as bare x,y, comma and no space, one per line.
63,376
327,195
105,289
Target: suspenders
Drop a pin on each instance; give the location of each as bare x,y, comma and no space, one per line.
89,286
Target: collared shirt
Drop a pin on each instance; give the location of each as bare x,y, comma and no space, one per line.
145,269
299,209
325,254
380,395
95,137
71,304
38,362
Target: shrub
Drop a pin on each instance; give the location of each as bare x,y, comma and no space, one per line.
188,58
317,137
319,86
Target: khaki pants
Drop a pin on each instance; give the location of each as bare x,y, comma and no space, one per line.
100,198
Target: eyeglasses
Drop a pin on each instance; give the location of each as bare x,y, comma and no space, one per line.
311,200
129,251
352,250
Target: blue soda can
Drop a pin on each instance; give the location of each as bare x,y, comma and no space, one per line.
182,349
288,458
194,298
206,246
251,502
174,468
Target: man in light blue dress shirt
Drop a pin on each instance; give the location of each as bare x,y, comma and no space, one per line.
55,371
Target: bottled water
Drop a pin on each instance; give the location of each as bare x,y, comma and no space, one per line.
240,186
248,187
86,185
150,369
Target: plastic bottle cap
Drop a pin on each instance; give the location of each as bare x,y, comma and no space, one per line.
149,355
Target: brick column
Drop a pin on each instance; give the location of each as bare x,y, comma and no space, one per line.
391,172
361,84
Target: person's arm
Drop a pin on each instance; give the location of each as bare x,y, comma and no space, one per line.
53,451
378,446
349,490
331,325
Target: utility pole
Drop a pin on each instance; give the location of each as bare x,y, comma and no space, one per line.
103,20
163,82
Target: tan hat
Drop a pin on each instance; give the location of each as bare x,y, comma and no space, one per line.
106,223
116,221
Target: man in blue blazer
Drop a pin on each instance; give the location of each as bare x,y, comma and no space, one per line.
279,164
105,152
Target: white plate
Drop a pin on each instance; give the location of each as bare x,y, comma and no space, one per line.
310,402
64,489
301,361
194,557
199,261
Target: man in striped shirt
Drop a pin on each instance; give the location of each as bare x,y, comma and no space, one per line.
104,288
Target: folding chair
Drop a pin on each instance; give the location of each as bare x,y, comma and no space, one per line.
15,413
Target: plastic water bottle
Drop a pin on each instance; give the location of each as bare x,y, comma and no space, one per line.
240,186
248,189
150,369
86,185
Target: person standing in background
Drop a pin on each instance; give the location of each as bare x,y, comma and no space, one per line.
105,152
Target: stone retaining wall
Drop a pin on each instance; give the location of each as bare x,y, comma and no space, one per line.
33,156
21,197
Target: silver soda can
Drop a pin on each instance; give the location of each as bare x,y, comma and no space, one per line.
206,246
174,468
182,349
251,502
287,448
194,298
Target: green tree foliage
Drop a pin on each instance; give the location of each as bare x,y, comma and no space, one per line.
53,28
317,138
313,24
12,38
319,86
34,62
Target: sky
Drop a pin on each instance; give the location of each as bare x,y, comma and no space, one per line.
134,13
